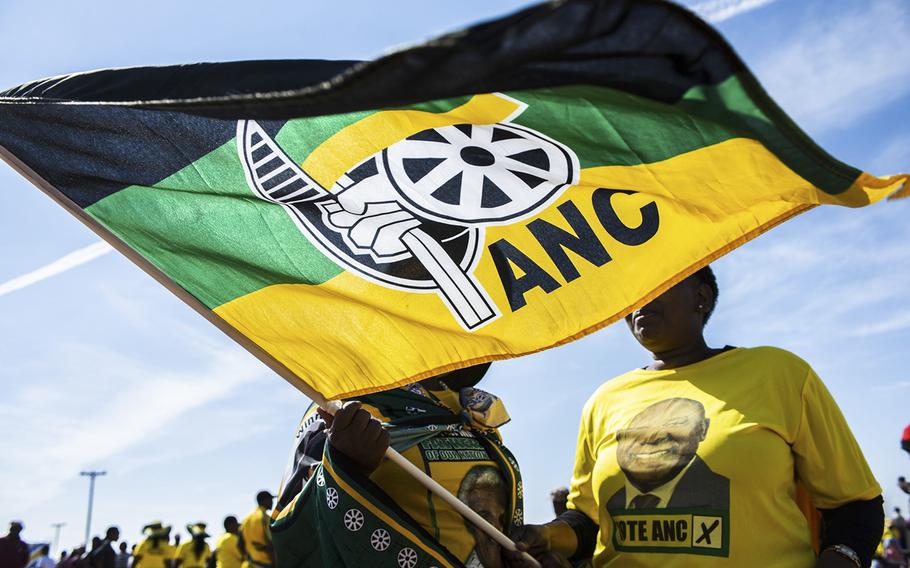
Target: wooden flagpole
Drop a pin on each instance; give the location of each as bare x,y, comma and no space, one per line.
268,360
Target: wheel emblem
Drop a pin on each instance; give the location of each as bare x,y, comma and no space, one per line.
331,497
407,558
320,480
380,539
469,173
353,520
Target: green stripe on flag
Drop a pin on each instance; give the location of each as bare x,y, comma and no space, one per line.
204,228
734,102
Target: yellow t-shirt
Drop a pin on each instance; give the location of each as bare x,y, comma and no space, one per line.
186,554
697,466
227,551
153,556
257,537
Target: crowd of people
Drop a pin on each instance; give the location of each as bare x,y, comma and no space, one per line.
894,549
246,544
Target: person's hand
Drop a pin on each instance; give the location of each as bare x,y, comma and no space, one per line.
355,433
533,539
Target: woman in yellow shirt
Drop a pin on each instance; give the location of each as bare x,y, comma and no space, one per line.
227,548
194,553
700,458
154,551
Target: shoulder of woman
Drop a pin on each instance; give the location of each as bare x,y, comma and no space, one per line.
776,356
604,394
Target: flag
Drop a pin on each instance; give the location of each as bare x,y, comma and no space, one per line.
494,192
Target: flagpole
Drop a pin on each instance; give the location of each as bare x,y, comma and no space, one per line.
267,359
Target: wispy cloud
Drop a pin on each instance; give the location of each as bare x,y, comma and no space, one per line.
893,323
895,386
833,246
59,266
719,10
130,400
834,70
894,156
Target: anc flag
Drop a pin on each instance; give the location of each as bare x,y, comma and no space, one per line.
491,193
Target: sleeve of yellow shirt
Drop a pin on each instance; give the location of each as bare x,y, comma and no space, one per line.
581,494
828,459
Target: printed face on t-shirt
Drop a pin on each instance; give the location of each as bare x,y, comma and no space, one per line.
484,491
660,441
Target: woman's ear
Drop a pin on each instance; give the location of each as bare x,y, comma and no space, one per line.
704,299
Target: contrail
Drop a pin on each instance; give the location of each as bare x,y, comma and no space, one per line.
72,260
719,10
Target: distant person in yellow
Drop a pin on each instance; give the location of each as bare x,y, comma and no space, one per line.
155,550
257,537
194,553
227,548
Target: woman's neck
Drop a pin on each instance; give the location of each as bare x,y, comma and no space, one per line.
682,355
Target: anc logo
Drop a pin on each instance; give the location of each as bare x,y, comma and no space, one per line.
412,216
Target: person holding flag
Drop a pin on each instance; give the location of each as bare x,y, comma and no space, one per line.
700,456
339,489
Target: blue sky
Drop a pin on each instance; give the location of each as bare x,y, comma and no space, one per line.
103,369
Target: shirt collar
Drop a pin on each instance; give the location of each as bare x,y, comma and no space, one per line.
664,492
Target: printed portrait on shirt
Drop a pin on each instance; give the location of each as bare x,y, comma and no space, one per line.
670,498
484,490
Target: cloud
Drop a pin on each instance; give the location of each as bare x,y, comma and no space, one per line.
820,270
894,156
719,10
837,69
59,266
895,386
896,322
129,401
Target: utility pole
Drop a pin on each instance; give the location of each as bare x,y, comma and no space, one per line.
57,527
91,497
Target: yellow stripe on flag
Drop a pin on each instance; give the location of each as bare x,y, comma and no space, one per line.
380,130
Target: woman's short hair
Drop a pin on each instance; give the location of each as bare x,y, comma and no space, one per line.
706,276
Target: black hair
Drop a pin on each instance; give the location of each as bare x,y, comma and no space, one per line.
198,545
706,276
229,521
264,498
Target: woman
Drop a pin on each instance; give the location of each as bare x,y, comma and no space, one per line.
699,459
446,427
196,552
155,550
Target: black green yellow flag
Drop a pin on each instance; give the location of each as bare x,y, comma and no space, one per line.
494,192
